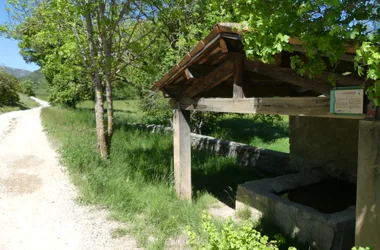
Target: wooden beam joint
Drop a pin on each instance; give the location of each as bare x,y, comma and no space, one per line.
211,80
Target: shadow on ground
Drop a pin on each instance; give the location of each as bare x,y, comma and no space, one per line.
214,174
244,130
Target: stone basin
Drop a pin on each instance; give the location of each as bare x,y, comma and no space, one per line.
273,199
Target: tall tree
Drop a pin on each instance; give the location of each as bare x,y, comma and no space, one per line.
106,34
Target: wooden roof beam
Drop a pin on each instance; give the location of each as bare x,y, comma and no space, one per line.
223,45
214,78
188,74
297,106
287,75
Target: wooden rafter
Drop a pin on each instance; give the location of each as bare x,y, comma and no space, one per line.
287,75
215,77
223,45
297,106
188,74
238,76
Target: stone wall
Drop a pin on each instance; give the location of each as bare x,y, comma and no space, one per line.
270,161
324,142
266,160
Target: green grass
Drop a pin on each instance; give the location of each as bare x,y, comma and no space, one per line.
264,133
42,93
130,106
24,103
124,110
137,183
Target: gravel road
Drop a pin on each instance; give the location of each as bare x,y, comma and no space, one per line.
37,200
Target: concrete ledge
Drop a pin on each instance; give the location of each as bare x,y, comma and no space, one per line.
319,230
246,155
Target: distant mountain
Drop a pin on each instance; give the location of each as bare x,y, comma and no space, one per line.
41,87
36,76
15,72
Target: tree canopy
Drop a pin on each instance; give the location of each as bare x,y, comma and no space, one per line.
325,28
90,49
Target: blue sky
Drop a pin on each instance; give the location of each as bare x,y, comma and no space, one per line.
9,51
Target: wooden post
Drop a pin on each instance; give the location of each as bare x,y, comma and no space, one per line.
368,190
238,76
182,153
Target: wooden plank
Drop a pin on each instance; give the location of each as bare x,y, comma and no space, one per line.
297,106
176,90
223,45
368,186
215,77
206,58
342,80
238,76
182,153
287,75
215,59
188,74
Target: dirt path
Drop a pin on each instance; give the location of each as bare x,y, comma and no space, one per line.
37,201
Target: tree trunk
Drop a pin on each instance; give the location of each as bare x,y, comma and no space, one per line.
109,113
99,117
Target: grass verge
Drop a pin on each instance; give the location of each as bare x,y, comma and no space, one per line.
271,134
24,103
137,184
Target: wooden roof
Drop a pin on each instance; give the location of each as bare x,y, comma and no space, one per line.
212,63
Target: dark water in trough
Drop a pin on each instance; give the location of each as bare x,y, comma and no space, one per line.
329,196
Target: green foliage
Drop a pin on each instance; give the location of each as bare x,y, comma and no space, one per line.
24,103
156,106
204,122
367,64
361,248
27,87
324,27
8,89
232,237
56,52
66,91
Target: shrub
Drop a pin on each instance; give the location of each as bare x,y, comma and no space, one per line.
232,237
66,90
27,87
156,106
8,89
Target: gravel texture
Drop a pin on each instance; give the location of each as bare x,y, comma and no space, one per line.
37,200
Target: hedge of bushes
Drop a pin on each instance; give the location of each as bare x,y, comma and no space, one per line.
8,89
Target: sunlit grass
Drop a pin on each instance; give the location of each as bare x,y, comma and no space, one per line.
137,183
272,134
24,103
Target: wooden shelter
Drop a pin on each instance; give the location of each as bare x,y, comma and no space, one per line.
217,76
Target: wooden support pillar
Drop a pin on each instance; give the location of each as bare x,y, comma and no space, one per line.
238,76
182,153
368,186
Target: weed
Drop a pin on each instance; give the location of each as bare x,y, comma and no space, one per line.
244,213
119,232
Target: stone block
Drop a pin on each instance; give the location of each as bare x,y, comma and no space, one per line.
321,231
